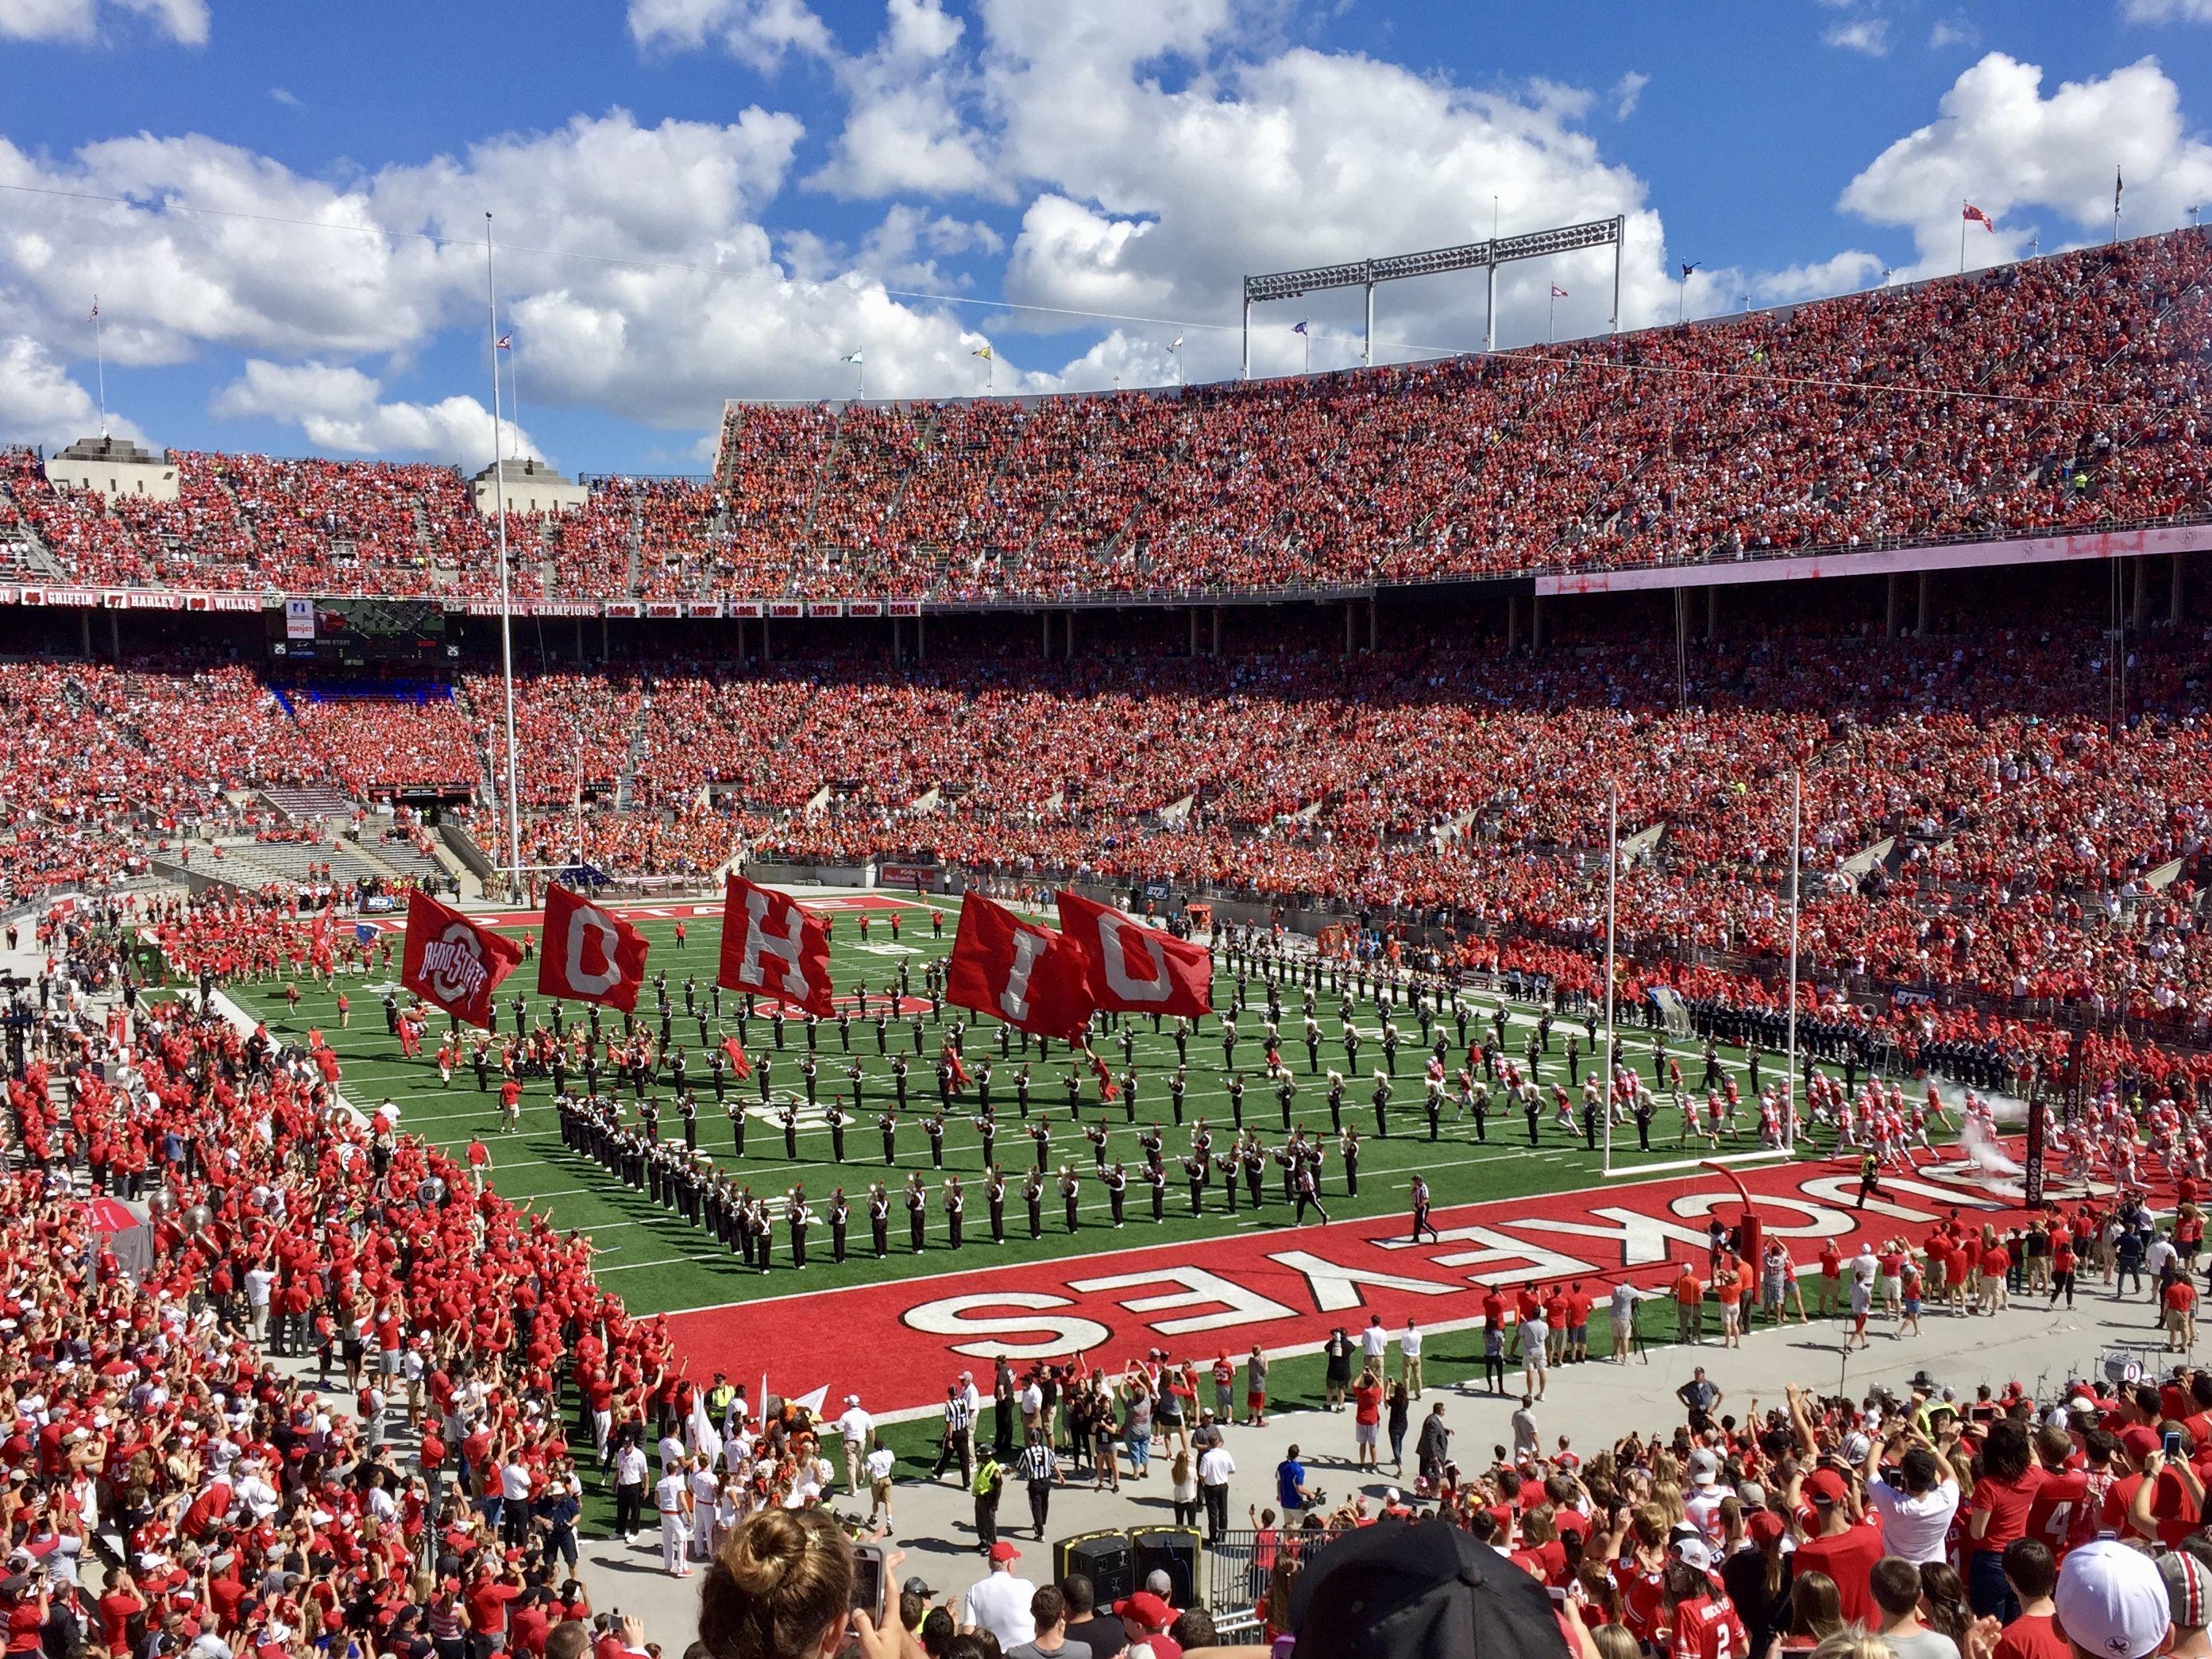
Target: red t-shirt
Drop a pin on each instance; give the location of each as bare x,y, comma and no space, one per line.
1366,1403
2007,1503
1847,1557
486,1604
2032,1636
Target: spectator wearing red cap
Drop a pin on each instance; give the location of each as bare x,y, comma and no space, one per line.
999,1603
1841,1543
1145,1620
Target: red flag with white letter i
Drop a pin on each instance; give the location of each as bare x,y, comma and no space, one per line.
1022,972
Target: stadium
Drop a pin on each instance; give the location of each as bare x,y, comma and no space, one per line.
570,1031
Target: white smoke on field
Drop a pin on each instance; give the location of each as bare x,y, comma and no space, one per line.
1986,1153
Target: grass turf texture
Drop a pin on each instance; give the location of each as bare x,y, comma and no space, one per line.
657,1263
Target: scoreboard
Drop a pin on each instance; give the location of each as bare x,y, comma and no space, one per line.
361,632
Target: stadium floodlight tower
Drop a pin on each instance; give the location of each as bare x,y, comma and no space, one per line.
1486,256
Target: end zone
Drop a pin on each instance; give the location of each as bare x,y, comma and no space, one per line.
1286,1288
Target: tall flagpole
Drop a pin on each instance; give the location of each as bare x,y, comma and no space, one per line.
513,392
99,364
1796,875
505,603
1612,871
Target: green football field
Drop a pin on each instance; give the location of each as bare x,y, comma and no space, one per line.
658,1263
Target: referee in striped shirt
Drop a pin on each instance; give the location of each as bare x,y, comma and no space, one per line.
1039,1471
958,1442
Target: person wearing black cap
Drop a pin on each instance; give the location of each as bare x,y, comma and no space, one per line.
1420,1590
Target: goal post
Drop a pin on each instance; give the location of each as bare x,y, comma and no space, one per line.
1612,1171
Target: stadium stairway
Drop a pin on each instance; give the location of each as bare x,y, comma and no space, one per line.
309,800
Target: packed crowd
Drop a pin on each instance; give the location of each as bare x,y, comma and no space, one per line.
2058,394
168,1484
1969,825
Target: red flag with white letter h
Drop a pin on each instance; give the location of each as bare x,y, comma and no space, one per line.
452,963
1022,972
1134,969
773,948
590,955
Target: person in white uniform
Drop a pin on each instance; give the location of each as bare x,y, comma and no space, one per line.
672,1492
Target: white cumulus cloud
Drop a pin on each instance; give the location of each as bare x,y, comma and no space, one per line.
41,403
2002,142
341,410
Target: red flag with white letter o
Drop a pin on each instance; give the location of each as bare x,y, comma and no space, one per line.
590,954
1134,969
1022,972
452,963
773,948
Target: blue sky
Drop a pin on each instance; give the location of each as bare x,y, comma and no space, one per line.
711,198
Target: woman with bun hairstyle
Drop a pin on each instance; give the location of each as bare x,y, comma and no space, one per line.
779,1586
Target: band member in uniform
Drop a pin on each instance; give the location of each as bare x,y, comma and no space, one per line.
1194,1171
1117,1186
994,1194
956,1207
889,1124
1069,1189
917,1206
800,1218
933,1126
840,1213
1033,1201
1348,1149
790,1119
880,1219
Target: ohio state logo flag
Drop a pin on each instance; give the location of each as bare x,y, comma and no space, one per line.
1134,969
451,963
1021,972
773,948
589,955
